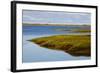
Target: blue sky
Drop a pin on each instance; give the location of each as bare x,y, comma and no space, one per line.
55,17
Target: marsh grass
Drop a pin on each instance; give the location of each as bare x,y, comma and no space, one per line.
81,31
76,45
75,30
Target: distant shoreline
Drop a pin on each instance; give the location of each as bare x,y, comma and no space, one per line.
25,24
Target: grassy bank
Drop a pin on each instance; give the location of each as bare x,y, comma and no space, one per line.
81,31
76,45
75,30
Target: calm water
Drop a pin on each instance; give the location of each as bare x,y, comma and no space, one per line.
34,53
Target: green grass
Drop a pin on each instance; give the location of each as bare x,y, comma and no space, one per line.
81,31
76,45
75,30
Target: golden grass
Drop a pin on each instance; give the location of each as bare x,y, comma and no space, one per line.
76,45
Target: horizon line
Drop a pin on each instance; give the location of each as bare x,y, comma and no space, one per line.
54,23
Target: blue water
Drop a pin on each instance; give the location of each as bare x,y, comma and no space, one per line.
34,53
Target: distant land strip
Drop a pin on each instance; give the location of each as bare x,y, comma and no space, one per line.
27,24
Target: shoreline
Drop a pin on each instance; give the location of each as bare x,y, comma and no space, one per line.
24,24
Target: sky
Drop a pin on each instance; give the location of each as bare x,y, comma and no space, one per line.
55,17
